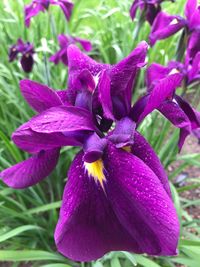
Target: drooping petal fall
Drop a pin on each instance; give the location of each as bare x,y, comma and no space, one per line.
134,213
32,170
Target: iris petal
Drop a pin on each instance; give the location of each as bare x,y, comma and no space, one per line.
87,227
32,170
40,97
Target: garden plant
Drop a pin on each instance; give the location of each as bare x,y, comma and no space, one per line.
99,133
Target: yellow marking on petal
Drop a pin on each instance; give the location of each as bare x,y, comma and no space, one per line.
174,21
127,148
173,71
95,169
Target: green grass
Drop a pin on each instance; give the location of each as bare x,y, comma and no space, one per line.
28,217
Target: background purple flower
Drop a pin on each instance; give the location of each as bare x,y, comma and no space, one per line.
26,51
38,6
162,83
151,9
64,42
166,25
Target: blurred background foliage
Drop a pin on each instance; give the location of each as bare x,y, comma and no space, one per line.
28,217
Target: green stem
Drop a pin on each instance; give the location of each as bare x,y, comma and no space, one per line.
46,70
181,47
52,24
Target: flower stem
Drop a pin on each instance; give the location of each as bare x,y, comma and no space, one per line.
180,51
46,70
52,24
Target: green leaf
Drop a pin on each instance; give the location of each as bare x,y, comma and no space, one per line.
189,242
145,261
18,231
130,257
51,206
186,261
115,262
56,265
192,251
29,255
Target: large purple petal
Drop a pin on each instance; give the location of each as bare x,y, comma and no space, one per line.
87,227
115,86
125,70
145,152
34,142
141,203
154,73
164,26
104,89
77,61
40,97
55,127
32,170
189,111
63,95
62,119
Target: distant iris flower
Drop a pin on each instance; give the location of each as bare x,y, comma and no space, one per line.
164,99
150,7
38,6
190,70
166,25
26,50
64,42
117,196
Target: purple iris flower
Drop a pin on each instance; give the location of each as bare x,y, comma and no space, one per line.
64,42
189,69
26,50
150,7
166,25
38,6
117,196
162,83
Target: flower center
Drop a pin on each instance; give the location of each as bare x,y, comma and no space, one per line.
174,21
95,169
174,71
127,148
